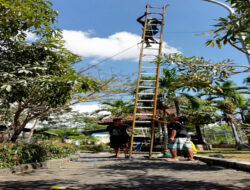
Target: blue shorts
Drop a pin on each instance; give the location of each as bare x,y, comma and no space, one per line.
179,143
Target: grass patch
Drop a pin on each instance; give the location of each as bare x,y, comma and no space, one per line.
228,153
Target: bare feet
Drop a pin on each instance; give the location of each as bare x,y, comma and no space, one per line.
172,159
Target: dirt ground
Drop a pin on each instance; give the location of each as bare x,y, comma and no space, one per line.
98,171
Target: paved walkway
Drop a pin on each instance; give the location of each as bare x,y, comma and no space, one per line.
97,171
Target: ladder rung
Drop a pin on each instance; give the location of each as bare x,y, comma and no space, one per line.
145,107
143,121
153,48
151,55
155,7
148,73
154,42
142,128
147,80
145,100
148,61
152,28
144,114
146,87
146,93
153,36
148,67
156,13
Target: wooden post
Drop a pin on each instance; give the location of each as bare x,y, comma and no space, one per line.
138,82
156,86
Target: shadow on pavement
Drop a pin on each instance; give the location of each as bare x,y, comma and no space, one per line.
34,185
140,182
180,166
143,182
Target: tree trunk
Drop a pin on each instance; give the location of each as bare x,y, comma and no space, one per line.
165,144
161,132
18,130
236,137
242,116
177,107
231,122
198,134
32,130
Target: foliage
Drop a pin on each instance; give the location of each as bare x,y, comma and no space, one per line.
228,90
206,112
221,134
226,106
97,148
84,139
16,154
233,96
36,77
184,74
70,119
65,133
233,29
247,80
196,73
117,107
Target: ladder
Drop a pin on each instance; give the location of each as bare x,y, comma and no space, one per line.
148,76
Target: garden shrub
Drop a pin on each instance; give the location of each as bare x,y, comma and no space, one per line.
97,148
16,154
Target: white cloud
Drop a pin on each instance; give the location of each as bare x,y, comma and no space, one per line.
31,36
83,44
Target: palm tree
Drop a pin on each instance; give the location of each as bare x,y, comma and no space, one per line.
117,108
227,98
169,88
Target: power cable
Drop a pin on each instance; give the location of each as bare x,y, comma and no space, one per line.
104,60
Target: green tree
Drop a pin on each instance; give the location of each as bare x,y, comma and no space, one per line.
70,119
36,77
234,29
189,74
230,92
227,97
117,108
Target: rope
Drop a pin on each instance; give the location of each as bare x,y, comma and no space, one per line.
104,60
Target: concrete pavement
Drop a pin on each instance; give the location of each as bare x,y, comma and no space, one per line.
98,171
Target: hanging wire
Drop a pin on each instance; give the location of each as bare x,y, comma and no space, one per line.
104,60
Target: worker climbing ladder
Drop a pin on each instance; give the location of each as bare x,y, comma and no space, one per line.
148,74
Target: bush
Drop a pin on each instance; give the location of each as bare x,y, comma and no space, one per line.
97,148
16,154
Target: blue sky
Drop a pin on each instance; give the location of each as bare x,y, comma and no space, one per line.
98,29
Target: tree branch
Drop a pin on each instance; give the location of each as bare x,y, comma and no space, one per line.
240,49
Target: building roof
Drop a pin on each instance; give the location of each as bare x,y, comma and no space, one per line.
128,119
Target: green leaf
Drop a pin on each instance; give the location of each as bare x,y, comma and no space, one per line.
8,88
